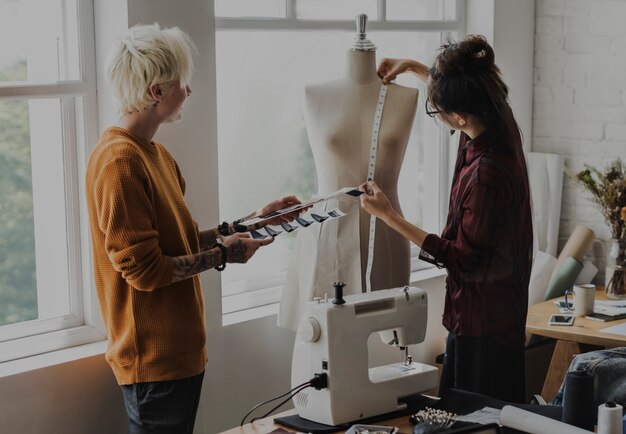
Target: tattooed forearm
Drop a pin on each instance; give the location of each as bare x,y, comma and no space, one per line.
190,265
208,239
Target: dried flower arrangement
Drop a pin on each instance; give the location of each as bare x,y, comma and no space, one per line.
608,190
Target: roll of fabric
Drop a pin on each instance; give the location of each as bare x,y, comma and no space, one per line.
610,418
576,246
579,408
513,417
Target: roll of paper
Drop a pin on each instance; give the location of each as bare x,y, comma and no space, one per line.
532,423
587,274
543,264
564,277
576,246
610,418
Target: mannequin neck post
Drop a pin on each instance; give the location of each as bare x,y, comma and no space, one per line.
361,66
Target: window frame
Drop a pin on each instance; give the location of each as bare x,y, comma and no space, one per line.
264,301
79,125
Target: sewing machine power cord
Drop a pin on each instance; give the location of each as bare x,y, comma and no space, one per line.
319,381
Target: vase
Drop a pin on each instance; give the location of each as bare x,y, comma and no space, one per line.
615,276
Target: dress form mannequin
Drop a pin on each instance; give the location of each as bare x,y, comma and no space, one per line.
339,116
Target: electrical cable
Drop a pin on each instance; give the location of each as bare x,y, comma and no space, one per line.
274,399
281,404
299,388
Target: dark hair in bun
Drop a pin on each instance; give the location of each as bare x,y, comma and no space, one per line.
465,79
474,52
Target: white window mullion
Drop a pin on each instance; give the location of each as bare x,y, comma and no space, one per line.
71,27
235,24
49,207
290,12
461,10
69,109
382,10
33,90
86,138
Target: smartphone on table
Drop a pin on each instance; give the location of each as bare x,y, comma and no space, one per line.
561,319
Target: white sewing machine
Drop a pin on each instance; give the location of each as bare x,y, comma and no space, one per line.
332,339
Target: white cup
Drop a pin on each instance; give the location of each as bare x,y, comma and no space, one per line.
584,298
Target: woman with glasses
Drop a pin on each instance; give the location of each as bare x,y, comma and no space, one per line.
486,244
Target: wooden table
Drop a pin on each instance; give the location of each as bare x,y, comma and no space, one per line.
583,336
267,425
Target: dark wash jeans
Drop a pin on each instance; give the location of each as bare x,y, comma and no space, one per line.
483,365
608,368
163,407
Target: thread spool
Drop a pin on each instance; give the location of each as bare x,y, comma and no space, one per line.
578,400
339,293
610,418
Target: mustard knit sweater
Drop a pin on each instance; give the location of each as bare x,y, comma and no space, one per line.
138,221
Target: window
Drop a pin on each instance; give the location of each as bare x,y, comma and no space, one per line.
266,52
47,96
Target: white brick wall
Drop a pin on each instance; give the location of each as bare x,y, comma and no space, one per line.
579,106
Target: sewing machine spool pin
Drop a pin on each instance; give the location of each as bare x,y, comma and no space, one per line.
338,293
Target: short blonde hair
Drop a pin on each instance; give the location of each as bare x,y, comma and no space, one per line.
145,56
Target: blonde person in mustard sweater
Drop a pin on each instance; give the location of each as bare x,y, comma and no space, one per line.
147,248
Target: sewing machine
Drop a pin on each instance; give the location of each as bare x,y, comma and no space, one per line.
332,339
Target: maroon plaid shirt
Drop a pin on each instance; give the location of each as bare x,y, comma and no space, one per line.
486,244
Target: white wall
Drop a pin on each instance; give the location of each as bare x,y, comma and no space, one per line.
509,26
579,99
248,362
72,398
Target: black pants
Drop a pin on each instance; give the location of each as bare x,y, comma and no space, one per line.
483,365
163,407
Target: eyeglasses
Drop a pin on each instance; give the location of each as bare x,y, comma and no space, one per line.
430,110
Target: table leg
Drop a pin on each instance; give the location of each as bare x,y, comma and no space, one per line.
562,356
